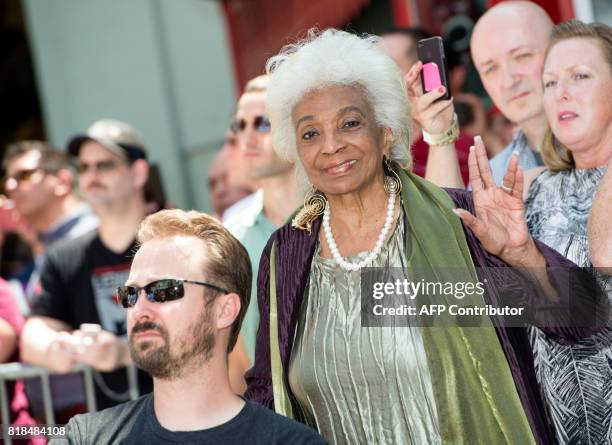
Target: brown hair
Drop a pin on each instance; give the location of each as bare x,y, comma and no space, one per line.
228,262
555,155
51,159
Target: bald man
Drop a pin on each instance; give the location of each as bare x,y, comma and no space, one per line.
508,45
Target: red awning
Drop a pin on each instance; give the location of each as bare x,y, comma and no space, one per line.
259,28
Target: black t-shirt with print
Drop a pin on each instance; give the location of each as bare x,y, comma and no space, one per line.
79,282
135,423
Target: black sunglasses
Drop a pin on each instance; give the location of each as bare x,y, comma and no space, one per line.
159,291
261,124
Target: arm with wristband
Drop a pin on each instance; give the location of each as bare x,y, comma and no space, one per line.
440,127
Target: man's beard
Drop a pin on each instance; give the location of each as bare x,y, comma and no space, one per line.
166,364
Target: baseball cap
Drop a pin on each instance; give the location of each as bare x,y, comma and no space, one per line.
117,136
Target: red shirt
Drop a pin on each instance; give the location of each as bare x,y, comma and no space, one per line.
420,150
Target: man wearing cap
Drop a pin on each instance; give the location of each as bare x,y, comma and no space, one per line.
80,276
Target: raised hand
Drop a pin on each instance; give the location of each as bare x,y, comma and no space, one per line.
499,223
433,117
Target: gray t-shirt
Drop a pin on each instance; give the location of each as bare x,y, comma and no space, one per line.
135,423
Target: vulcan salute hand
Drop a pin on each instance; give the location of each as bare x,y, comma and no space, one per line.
499,223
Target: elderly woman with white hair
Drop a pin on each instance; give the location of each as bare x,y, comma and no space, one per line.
338,107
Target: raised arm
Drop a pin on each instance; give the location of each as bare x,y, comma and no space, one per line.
574,306
435,118
499,219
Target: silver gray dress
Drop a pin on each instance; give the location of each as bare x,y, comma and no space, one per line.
576,381
359,385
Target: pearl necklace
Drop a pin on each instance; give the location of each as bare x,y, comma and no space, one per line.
347,265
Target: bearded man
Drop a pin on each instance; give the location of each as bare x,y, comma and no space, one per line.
186,295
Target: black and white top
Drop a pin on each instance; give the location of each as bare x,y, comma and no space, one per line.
576,380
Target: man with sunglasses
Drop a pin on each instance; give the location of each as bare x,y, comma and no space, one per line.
276,197
185,298
39,180
80,277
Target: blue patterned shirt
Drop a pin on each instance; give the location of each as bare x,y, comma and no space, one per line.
527,157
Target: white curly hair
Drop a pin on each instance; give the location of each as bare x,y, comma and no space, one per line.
336,57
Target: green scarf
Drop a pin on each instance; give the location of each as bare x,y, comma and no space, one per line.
475,395
476,400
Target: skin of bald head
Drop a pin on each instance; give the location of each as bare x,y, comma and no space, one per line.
508,45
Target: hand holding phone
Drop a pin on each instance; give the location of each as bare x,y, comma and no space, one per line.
435,71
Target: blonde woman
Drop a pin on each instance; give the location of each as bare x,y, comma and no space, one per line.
576,380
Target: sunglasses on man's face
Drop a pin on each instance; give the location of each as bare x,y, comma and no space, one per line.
100,167
22,175
159,291
261,124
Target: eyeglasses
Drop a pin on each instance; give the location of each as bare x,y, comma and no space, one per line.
21,175
99,167
159,291
261,124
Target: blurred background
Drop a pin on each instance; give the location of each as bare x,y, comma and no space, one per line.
174,69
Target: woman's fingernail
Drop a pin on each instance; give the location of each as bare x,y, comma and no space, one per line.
515,152
472,148
477,138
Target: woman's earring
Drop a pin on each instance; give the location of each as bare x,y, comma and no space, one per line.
393,185
314,206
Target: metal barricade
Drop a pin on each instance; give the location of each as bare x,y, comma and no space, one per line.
16,371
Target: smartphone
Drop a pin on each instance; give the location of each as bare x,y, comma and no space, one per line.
435,70
91,329
90,334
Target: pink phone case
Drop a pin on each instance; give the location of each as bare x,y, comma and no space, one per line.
431,76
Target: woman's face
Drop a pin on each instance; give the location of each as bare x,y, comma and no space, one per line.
577,91
338,140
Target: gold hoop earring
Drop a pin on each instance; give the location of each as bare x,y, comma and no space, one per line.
393,185
314,206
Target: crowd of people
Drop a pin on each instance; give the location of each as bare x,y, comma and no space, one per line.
247,326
